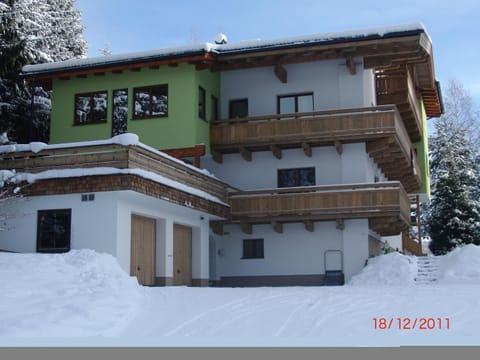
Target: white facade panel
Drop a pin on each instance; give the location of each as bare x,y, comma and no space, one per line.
330,82
296,251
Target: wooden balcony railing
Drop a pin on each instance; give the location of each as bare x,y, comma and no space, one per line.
386,205
397,87
381,127
113,156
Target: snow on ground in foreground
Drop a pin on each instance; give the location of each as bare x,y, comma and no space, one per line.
81,293
84,294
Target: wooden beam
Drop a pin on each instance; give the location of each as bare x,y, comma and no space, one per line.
339,147
340,224
277,152
280,73
246,154
196,152
350,64
217,228
307,149
217,156
247,228
278,227
309,225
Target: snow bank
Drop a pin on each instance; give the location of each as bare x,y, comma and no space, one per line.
389,269
461,266
80,293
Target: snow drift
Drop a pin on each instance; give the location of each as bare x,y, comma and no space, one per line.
80,293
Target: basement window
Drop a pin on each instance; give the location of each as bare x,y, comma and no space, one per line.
53,230
252,249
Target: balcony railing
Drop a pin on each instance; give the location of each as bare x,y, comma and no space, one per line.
381,127
386,204
113,156
398,88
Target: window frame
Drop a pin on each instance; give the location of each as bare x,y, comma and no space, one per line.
251,253
40,247
231,102
150,88
297,176
91,95
202,103
214,108
295,96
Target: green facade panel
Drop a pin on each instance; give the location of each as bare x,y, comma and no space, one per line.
421,148
181,128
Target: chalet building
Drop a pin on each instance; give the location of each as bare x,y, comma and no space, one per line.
318,146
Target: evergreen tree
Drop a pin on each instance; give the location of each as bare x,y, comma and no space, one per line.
454,214
41,31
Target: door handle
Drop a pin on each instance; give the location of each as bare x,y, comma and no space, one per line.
178,271
138,268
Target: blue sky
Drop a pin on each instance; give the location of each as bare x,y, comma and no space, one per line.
139,25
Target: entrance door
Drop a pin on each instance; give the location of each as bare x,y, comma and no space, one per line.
182,255
142,257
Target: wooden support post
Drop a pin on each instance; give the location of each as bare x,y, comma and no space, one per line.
277,152
246,154
350,64
217,228
419,221
339,147
309,225
217,157
247,228
278,227
307,149
280,73
340,224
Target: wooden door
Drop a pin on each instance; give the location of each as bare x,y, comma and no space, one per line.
142,258
182,255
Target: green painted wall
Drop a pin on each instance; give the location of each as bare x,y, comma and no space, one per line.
182,127
422,155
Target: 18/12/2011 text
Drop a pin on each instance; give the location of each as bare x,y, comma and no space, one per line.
407,323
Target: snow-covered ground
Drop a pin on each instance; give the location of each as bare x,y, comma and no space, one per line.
83,297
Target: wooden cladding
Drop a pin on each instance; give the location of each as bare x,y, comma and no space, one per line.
388,203
388,141
114,156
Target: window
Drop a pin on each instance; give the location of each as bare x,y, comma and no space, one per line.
253,249
90,108
150,101
289,104
238,108
214,110
53,230
296,177
120,111
201,103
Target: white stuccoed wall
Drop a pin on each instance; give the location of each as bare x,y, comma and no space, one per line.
104,225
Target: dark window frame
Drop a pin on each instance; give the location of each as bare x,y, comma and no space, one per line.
41,231
295,96
150,91
91,95
237,101
297,176
253,249
202,103
214,108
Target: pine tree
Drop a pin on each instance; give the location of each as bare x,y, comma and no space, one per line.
48,30
454,214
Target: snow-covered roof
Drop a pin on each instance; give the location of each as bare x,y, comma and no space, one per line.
225,49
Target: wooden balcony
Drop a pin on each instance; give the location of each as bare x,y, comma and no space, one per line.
113,156
397,87
385,205
380,127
